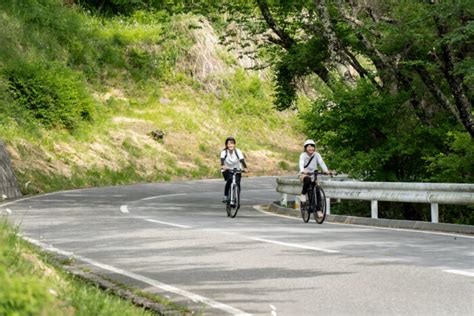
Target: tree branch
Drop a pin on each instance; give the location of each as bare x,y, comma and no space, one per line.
455,82
436,91
286,41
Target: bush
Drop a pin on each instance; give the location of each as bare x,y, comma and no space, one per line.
457,165
55,95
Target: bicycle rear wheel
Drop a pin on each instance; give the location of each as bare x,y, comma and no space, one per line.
322,207
235,204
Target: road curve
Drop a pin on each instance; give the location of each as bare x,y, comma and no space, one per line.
174,239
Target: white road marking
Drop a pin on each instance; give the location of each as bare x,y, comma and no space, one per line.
460,272
258,208
161,196
92,195
124,209
198,193
270,241
166,223
292,245
194,297
273,308
26,198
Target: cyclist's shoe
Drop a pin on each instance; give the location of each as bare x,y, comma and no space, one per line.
224,199
319,214
303,198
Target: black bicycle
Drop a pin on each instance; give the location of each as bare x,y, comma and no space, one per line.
233,202
310,206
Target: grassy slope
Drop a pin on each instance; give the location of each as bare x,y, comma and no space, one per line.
32,287
145,72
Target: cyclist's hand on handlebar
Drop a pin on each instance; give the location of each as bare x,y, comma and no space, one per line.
245,170
330,173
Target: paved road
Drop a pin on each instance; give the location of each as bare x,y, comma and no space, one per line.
174,239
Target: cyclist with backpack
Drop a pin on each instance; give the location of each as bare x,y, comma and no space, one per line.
309,162
231,158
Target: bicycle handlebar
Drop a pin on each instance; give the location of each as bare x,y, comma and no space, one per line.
235,170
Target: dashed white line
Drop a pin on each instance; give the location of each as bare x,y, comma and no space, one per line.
274,309
460,272
166,223
292,245
194,297
197,193
92,195
124,209
162,196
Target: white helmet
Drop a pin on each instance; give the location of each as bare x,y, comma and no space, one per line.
309,142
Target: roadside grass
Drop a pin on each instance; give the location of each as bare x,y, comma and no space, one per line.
29,286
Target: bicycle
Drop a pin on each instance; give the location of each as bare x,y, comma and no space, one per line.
310,206
233,202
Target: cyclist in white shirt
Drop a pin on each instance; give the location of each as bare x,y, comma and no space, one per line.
231,158
309,162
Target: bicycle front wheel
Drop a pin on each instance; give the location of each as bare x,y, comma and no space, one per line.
319,218
235,202
305,209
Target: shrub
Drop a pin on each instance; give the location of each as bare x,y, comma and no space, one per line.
55,95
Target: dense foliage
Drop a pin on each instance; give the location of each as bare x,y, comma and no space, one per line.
393,80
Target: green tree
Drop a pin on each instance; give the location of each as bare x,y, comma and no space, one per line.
394,78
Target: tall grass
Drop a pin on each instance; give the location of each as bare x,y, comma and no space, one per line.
31,287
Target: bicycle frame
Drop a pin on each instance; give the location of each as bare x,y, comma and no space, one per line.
234,183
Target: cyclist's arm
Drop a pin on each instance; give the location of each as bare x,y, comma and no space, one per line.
301,164
321,163
223,167
242,160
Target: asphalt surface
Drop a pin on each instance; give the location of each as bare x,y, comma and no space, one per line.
175,239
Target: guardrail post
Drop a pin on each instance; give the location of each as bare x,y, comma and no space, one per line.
434,212
297,203
374,207
284,199
328,206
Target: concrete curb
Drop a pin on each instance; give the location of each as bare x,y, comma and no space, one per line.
81,271
379,222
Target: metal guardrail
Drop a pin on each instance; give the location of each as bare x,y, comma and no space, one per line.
340,188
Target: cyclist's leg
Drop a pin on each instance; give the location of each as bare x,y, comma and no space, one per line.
306,185
228,178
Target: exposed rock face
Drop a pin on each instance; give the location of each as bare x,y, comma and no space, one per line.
8,184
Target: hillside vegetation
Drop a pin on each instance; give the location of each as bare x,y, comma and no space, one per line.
80,95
